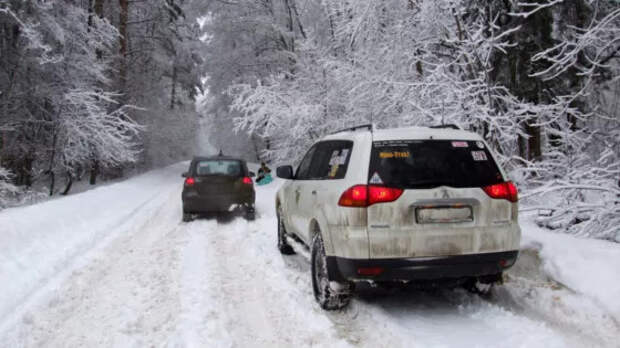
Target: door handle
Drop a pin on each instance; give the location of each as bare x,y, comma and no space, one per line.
314,192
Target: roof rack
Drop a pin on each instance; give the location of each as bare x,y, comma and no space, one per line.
450,126
350,129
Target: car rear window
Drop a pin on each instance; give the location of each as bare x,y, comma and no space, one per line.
432,163
218,167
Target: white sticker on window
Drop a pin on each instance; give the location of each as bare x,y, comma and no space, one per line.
339,157
479,155
480,144
343,156
459,144
334,159
375,179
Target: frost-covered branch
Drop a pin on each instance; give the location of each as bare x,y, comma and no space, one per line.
596,45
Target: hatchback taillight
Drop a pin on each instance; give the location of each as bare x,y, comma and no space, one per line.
366,195
190,181
247,180
505,190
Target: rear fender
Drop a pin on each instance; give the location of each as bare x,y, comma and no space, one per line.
319,225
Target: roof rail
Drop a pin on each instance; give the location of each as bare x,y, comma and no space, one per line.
367,126
450,126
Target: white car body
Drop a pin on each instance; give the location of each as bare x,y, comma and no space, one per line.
390,231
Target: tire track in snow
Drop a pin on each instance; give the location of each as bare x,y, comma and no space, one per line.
197,325
252,299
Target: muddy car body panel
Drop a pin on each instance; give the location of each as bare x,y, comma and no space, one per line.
454,212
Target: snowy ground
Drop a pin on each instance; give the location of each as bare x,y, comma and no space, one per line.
116,267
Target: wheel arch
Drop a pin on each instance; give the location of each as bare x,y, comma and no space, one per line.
318,225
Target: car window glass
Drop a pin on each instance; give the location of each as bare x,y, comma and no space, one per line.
331,159
339,159
218,167
431,163
304,166
320,161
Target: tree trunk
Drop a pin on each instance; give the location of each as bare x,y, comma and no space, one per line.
522,143
99,12
534,141
253,137
50,169
94,171
122,29
90,14
52,182
69,184
174,86
297,18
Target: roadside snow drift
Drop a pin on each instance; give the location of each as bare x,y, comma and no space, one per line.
37,242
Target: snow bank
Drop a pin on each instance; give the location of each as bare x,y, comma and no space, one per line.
587,266
39,241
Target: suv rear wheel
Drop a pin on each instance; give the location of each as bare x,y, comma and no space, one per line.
330,295
283,246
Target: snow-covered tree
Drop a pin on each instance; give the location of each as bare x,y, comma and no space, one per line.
71,75
529,76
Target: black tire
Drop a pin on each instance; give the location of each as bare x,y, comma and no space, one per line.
283,246
187,217
249,212
327,297
249,216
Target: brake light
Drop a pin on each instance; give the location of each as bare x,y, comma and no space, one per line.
380,194
190,181
504,190
247,180
365,195
356,196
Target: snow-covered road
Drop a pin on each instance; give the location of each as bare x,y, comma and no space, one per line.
116,267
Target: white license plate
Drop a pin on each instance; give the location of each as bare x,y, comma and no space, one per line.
444,215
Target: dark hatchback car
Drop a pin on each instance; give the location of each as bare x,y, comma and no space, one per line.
218,185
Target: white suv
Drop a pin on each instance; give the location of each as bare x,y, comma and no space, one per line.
407,204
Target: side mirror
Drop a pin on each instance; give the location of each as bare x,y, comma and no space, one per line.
184,175
251,174
285,172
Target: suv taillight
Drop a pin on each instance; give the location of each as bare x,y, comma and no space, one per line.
190,181
504,190
247,180
367,195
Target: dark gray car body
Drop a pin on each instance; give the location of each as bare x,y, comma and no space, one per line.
217,193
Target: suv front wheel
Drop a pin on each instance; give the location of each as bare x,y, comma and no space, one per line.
330,295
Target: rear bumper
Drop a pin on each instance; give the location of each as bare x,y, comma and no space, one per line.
421,268
215,203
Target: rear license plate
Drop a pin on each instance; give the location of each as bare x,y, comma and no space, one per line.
443,215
